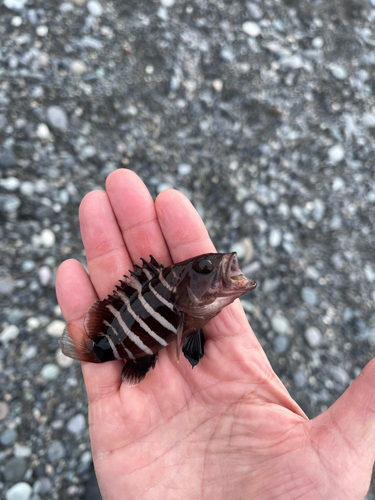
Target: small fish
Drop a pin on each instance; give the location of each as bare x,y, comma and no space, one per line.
155,306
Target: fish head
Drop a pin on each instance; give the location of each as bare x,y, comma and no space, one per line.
209,282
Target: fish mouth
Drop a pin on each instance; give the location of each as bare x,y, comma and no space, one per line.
233,276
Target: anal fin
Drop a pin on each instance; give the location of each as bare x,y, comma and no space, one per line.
193,347
135,370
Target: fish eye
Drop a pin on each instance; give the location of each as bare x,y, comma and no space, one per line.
203,266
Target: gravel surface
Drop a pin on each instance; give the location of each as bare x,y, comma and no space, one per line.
261,112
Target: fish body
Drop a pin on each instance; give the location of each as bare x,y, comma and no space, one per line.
155,306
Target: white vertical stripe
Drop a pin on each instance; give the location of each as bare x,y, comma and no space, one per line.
129,353
154,313
160,298
139,320
165,283
113,347
132,336
147,273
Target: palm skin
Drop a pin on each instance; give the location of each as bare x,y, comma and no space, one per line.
227,429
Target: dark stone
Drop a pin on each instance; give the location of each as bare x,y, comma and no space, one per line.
14,470
7,160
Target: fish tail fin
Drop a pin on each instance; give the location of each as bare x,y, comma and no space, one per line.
75,344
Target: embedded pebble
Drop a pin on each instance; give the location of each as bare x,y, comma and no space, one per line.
42,486
250,207
15,4
56,451
77,424
50,371
339,374
57,118
309,296
319,209
250,28
27,188
292,62
254,10
317,42
22,451
20,491
336,154
14,469
7,160
9,333
8,437
55,328
4,410
313,336
280,324
368,120
244,249
275,237
281,344
9,203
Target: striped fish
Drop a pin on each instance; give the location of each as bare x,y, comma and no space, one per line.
154,307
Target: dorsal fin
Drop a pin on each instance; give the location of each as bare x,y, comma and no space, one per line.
99,316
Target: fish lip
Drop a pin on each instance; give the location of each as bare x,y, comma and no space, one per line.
232,268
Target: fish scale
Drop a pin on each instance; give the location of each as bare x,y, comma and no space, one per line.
153,307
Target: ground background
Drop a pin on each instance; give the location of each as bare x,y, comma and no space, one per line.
262,113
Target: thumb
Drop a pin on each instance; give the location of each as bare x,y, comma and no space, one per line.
351,419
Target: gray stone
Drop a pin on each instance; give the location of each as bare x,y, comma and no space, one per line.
250,207
22,451
9,333
77,424
78,67
56,451
57,118
281,344
340,375
20,491
55,328
309,296
8,437
42,486
184,169
10,183
339,72
94,8
275,237
9,202
254,10
313,336
318,210
15,4
15,469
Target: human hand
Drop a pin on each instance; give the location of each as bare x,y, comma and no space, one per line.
227,429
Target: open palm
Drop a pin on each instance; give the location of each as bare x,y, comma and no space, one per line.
227,429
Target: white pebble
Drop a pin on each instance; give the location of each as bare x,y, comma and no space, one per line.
16,21
275,237
22,451
47,238
15,4
280,324
78,67
95,8
10,183
9,333
217,84
32,323
63,360
55,328
339,72
336,154
250,28
167,3
318,42
42,30
338,184
250,207
27,188
44,274
42,131
50,371
292,62
20,491
184,169
313,336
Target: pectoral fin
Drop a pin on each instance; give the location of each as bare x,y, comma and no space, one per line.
135,370
193,347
